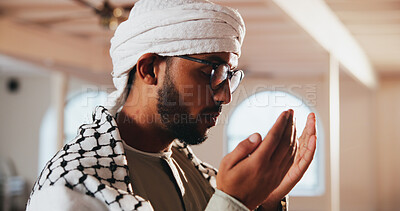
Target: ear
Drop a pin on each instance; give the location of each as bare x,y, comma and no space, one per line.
146,68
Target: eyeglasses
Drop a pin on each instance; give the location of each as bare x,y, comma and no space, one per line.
219,74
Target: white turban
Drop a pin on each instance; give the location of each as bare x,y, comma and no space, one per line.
171,28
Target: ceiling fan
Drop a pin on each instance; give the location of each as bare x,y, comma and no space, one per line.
110,16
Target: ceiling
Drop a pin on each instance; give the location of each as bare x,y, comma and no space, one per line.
274,45
375,24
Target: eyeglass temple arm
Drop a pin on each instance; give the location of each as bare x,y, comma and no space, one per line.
197,60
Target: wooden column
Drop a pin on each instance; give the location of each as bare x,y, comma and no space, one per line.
59,88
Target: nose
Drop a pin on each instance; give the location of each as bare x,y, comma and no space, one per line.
223,94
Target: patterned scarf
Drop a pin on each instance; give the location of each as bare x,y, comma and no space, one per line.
94,164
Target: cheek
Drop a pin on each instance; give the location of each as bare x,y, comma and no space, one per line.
195,93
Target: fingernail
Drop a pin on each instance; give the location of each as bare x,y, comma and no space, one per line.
254,138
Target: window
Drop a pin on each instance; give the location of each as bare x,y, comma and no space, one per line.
258,113
78,111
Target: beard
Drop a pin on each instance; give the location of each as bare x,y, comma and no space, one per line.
176,118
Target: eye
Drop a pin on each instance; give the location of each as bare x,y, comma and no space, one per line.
206,71
207,74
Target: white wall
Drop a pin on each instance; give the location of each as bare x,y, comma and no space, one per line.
388,144
357,146
21,114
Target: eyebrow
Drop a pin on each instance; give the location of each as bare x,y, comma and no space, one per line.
214,58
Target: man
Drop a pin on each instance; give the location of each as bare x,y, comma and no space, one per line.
173,67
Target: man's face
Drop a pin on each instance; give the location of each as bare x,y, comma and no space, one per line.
186,104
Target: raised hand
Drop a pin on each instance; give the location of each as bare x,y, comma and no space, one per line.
304,155
255,168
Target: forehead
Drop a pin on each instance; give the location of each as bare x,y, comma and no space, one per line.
222,57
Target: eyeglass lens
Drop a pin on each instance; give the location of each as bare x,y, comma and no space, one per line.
221,74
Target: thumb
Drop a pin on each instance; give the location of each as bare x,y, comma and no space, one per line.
243,149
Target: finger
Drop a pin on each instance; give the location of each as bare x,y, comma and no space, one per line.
308,153
309,129
289,161
242,150
295,140
285,146
271,141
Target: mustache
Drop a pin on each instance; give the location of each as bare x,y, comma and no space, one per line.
214,109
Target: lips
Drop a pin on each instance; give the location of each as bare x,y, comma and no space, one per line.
209,116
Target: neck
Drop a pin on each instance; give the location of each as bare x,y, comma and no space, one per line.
140,131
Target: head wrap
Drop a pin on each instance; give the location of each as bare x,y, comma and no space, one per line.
171,28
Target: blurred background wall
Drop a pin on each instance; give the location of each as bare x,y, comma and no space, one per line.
54,68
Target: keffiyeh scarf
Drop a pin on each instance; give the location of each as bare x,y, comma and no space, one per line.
94,164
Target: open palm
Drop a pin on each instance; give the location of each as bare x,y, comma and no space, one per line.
305,149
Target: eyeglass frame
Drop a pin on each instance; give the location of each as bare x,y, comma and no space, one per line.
214,67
